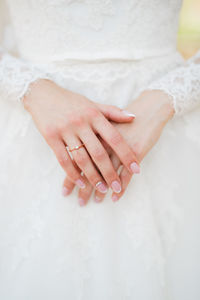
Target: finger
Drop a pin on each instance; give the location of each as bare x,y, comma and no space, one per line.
85,194
101,159
125,178
115,113
65,161
68,185
98,197
124,175
85,163
116,163
116,141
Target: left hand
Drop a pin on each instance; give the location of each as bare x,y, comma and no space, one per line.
153,109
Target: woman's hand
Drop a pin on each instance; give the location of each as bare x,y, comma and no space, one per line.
153,109
65,118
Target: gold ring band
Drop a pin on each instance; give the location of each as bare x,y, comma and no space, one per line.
76,148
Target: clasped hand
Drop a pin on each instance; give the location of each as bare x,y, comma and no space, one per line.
112,137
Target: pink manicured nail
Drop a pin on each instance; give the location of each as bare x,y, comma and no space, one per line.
97,199
102,188
115,198
116,186
81,201
80,183
127,113
65,191
135,168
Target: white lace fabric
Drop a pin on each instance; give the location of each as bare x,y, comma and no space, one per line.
94,29
182,85
16,76
38,42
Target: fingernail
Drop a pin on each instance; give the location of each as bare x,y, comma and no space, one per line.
102,188
97,199
65,191
127,113
116,186
114,198
81,201
80,183
135,167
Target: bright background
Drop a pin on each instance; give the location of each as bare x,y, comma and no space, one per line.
189,29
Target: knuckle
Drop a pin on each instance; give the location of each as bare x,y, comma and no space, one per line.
77,120
99,153
63,160
61,128
110,175
93,112
81,159
65,163
129,156
64,125
116,138
50,132
93,177
125,175
71,173
58,129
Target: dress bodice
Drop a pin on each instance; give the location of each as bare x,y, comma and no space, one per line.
115,32
48,30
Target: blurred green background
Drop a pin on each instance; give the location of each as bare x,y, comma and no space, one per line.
189,28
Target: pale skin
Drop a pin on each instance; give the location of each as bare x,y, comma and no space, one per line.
153,109
65,118
112,137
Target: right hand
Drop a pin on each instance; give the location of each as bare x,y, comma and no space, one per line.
65,118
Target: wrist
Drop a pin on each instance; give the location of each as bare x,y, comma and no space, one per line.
33,91
164,100
155,101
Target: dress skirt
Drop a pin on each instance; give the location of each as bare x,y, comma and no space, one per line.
145,246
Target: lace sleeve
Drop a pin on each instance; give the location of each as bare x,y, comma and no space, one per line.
182,84
16,76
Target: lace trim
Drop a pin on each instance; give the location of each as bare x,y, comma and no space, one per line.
16,76
182,84
111,69
86,71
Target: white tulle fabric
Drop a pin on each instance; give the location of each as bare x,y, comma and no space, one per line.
49,248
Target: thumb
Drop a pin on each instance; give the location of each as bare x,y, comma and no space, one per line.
115,113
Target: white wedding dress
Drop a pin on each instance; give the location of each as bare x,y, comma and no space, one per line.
146,246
